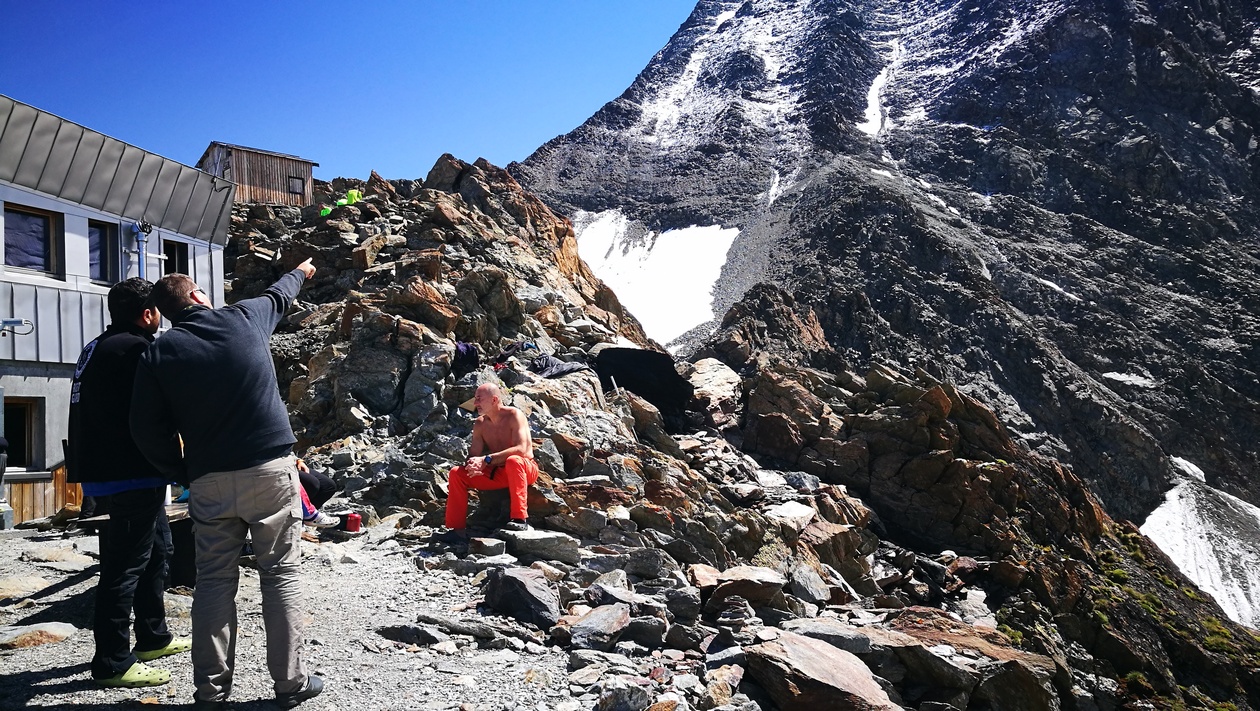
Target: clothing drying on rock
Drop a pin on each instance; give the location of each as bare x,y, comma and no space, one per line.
552,367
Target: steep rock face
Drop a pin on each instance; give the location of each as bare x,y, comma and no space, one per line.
1051,204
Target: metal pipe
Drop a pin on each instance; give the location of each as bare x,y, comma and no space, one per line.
142,230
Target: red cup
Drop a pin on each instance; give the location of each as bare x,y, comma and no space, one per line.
353,521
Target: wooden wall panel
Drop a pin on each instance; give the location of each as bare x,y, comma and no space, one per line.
265,178
37,499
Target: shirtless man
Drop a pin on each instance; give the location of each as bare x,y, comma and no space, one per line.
501,456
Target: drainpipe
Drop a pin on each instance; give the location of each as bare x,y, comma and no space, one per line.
142,230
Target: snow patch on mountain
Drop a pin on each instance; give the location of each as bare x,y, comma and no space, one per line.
1058,288
683,112
875,115
780,185
665,279
930,34
1213,537
1131,379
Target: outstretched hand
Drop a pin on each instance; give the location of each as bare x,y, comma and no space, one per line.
307,268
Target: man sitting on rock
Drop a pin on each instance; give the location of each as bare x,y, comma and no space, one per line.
501,456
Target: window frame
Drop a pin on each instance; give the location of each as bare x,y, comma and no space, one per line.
301,185
33,418
187,256
56,240
113,269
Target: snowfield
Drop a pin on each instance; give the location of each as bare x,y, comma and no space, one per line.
1211,536
666,280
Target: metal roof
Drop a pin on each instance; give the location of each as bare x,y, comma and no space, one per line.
57,157
252,150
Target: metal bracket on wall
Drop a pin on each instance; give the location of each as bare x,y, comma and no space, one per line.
8,325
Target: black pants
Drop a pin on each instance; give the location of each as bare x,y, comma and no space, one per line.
319,488
135,553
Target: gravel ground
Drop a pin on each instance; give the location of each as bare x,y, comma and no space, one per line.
354,588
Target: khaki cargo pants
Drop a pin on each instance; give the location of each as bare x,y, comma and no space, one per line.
263,501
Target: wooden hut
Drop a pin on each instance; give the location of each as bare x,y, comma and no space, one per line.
260,176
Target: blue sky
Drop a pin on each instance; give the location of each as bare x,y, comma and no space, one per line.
377,85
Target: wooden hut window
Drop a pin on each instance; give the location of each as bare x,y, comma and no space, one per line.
297,185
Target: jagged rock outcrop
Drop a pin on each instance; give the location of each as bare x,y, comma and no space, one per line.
888,505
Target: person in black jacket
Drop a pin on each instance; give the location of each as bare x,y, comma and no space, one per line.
103,458
211,381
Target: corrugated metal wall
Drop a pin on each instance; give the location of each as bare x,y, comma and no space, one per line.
265,178
64,321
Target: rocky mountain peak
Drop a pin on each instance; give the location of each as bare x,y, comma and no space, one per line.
1052,205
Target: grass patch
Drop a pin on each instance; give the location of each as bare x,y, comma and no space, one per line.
1193,594
1017,637
1135,681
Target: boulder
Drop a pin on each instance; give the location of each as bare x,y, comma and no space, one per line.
523,593
617,694
600,628
755,584
803,674
718,388
1017,686
792,515
832,631
544,545
63,559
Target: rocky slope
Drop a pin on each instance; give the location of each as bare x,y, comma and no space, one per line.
1051,204
812,538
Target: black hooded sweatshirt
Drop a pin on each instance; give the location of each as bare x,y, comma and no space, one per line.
99,444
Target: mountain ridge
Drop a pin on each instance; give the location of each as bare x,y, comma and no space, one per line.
1057,209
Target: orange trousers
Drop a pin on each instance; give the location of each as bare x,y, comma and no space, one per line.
515,475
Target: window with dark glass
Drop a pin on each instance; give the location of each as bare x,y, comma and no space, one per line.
19,430
104,253
176,257
297,185
28,239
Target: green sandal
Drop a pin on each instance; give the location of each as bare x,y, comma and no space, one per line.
178,645
139,675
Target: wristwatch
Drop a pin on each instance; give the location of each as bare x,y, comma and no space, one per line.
488,459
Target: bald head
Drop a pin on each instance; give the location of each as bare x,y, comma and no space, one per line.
489,399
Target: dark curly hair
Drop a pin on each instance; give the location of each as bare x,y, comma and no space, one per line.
128,300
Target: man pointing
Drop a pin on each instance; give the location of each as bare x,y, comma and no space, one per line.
210,382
